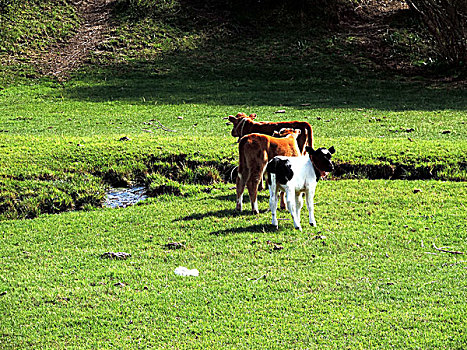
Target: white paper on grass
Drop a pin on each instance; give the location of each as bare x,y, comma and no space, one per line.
183,271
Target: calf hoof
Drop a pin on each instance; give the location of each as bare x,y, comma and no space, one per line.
255,212
298,228
313,224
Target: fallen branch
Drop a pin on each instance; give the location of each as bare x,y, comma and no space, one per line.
118,255
444,250
162,126
257,279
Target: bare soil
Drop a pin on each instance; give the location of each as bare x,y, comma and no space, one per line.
65,57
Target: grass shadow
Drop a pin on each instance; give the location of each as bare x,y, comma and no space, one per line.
258,228
273,71
216,213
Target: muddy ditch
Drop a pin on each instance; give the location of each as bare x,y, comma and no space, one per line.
176,175
173,174
179,168
168,175
445,172
182,169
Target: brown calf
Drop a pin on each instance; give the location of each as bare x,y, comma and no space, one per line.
255,151
244,125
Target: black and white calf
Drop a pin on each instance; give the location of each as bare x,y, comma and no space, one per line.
295,176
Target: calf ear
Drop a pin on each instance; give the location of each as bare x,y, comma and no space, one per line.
252,116
310,150
332,150
232,118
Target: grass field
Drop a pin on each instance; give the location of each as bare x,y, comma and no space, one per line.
70,131
367,276
150,110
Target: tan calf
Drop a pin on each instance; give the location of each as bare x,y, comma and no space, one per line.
255,150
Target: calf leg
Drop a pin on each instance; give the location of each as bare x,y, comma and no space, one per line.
256,171
299,206
282,194
292,205
310,205
273,204
252,186
240,186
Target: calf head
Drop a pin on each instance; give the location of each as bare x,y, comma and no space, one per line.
239,121
282,168
321,158
284,132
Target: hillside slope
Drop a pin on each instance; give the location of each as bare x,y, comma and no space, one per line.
379,35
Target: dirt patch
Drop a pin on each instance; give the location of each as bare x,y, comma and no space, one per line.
63,58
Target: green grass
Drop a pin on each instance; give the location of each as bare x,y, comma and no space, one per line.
35,25
27,30
380,128
367,276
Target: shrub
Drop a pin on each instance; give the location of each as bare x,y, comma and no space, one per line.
446,20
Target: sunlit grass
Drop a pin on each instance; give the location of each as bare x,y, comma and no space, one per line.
368,275
149,107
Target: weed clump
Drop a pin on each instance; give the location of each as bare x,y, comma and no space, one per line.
158,185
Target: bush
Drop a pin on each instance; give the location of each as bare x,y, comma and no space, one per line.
447,22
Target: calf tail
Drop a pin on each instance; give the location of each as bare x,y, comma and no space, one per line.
271,170
309,130
234,174
306,136
271,178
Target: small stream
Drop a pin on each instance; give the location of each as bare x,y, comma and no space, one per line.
124,197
